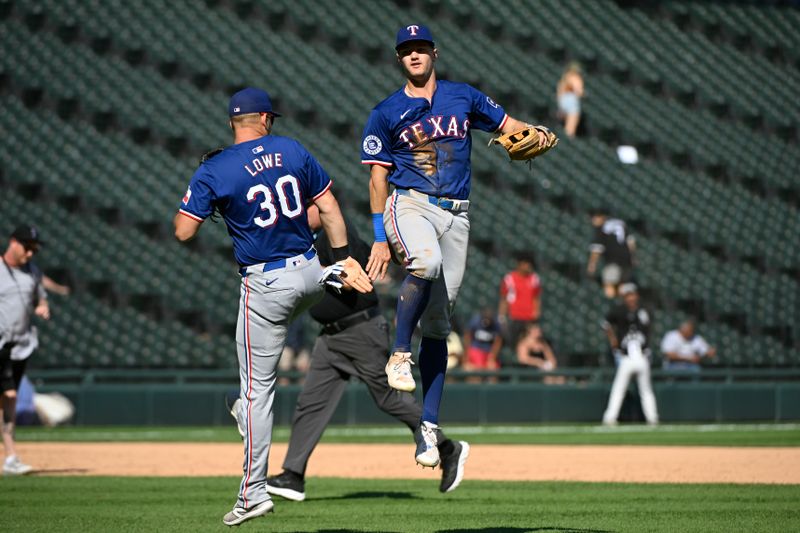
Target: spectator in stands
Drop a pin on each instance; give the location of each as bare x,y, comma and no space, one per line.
22,296
534,350
483,340
520,299
683,348
627,327
612,242
569,93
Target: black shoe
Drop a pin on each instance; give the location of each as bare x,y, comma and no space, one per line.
452,466
288,485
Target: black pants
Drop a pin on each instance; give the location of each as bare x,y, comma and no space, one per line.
362,351
10,371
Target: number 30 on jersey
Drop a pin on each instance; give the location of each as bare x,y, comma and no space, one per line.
287,189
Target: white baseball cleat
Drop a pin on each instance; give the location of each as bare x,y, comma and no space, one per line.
14,467
398,370
240,514
427,453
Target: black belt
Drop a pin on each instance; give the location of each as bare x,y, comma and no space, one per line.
350,320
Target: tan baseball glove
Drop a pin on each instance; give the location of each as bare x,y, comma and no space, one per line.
524,145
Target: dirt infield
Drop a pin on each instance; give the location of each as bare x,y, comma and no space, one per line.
668,464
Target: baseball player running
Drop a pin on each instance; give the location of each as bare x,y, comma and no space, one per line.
418,139
354,341
260,185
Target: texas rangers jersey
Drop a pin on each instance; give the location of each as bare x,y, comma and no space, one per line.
427,145
260,188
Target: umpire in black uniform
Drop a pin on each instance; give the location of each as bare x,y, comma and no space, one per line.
354,341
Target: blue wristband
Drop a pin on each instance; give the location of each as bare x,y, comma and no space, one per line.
377,227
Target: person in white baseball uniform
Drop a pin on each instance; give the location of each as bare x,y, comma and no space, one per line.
628,329
684,349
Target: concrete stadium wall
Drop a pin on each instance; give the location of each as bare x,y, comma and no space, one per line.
204,404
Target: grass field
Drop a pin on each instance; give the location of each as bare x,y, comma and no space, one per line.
679,435
86,504
100,504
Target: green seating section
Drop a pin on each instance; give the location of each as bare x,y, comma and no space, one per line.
628,40
762,29
146,184
149,79
86,333
128,262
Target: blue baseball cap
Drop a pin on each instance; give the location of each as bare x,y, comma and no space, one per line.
250,100
413,32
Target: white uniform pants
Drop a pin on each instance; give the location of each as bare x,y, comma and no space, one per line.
627,367
269,301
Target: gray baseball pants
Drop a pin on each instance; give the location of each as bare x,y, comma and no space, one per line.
361,351
269,301
432,243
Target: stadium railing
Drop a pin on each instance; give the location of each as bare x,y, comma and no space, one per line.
513,375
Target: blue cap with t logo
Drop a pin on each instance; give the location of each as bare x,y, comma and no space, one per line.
413,32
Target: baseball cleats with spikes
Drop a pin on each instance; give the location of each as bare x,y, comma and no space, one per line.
288,485
398,369
452,465
240,514
427,453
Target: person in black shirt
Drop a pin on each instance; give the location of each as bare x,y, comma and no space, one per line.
627,327
354,341
612,242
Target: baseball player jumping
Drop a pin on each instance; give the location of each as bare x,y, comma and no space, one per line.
261,185
418,139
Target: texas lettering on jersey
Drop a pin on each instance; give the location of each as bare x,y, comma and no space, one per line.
415,135
427,145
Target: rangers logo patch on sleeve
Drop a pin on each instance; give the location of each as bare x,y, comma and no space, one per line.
187,196
372,145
